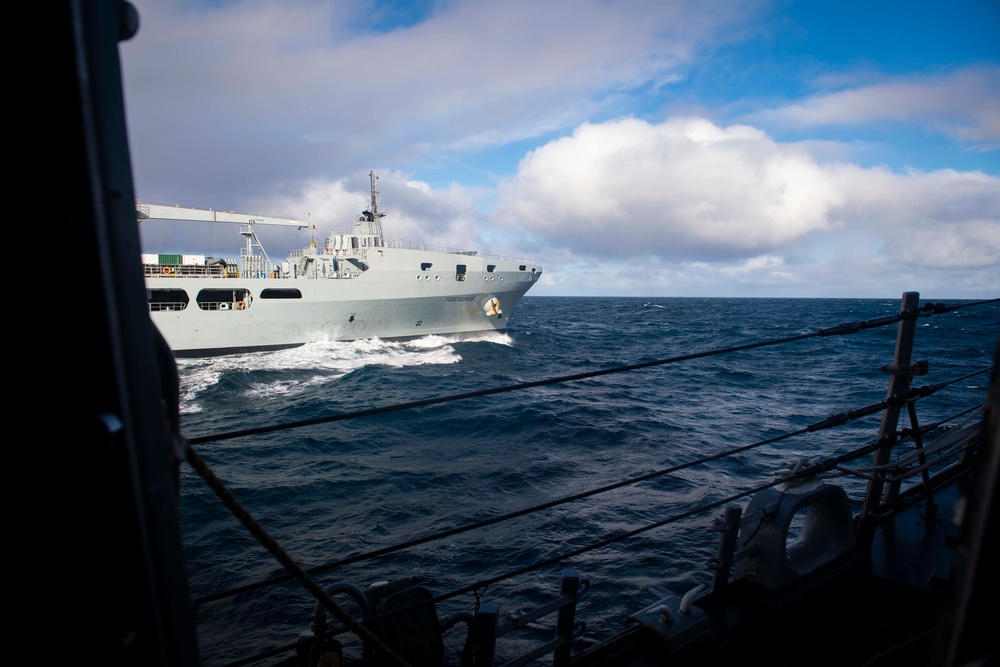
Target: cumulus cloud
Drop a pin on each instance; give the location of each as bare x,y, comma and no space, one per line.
689,190
684,188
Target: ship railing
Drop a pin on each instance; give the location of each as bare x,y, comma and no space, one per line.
488,628
399,244
167,306
185,270
217,305
928,464
510,258
409,245
380,603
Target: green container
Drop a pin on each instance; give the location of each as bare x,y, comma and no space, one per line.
173,260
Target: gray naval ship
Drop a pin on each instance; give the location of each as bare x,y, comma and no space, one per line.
354,286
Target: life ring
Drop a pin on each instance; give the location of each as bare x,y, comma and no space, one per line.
240,305
167,270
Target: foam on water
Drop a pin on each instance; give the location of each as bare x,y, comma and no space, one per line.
317,363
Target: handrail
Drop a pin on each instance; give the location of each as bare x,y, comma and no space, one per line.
411,245
489,629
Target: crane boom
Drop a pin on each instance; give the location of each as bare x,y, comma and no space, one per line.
156,211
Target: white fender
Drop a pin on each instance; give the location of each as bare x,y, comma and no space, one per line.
492,307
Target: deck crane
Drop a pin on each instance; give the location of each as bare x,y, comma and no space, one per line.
160,212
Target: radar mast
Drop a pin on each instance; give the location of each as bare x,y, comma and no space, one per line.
370,222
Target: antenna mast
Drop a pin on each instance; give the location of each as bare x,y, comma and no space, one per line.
376,215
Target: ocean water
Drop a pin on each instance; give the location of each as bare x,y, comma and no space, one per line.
330,491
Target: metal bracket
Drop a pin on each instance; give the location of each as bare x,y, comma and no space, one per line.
677,623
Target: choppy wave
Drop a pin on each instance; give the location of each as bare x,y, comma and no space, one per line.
331,490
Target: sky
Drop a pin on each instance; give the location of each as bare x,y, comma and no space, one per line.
635,148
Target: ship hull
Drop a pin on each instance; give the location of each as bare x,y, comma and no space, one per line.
393,299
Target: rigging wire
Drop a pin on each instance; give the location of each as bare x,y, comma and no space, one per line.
829,422
805,473
286,561
843,329
812,471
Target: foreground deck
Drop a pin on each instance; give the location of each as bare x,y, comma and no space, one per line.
891,605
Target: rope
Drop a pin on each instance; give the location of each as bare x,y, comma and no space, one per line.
257,531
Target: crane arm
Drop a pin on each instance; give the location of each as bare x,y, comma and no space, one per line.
156,211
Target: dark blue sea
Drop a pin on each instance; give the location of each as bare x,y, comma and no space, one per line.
333,490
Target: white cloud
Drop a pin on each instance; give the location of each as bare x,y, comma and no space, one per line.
689,191
685,188
216,91
964,105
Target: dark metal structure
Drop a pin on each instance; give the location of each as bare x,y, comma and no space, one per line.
117,468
